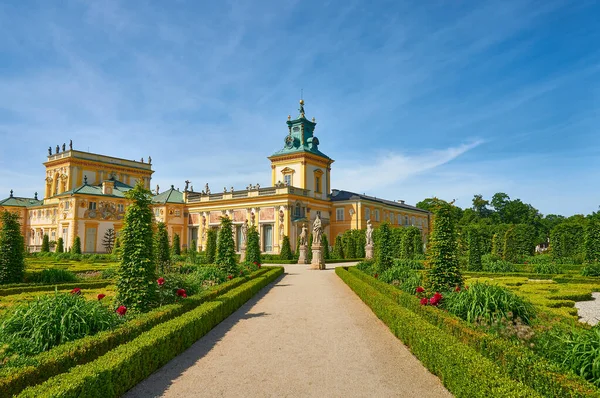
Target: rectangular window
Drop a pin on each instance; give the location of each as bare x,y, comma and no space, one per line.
67,204
367,214
92,206
318,184
177,213
377,215
120,208
391,218
288,179
339,214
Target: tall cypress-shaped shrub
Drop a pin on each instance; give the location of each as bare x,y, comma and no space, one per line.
474,249
45,244
350,244
108,241
176,245
565,240
417,242
297,252
361,242
411,235
225,257
592,242
136,281
338,248
385,248
325,246
442,260
253,245
211,245
60,246
76,246
12,249
309,251
286,250
519,241
397,234
162,251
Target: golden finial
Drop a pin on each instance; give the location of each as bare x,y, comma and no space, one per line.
289,117
314,120
301,102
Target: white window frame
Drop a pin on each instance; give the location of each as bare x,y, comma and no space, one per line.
92,205
376,215
367,213
337,214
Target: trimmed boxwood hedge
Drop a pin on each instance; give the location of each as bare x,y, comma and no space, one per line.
51,287
122,368
63,357
518,362
464,371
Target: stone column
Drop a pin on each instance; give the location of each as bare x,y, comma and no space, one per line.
302,259
317,258
368,252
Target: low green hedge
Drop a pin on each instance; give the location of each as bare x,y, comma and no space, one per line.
51,287
61,358
464,371
122,368
277,261
517,361
343,260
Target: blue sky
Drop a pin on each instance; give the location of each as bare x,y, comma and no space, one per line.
412,99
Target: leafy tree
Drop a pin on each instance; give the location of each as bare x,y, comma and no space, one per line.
117,250
60,246
441,262
480,206
592,241
360,236
253,245
565,240
474,249
162,251
338,248
519,241
177,245
310,242
397,235
286,250
384,244
76,249
225,257
325,246
45,244
211,245
411,240
12,249
136,279
109,240
350,244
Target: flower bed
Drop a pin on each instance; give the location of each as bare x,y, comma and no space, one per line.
62,358
511,359
114,373
27,288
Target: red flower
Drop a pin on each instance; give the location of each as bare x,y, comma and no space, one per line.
184,295
121,310
258,265
230,277
420,289
76,291
181,293
101,296
424,301
160,281
375,276
255,263
457,289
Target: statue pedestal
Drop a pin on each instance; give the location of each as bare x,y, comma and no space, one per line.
242,254
368,252
302,259
317,258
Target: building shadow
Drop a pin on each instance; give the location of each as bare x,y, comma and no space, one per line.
158,382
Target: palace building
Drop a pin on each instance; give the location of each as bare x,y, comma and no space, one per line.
84,196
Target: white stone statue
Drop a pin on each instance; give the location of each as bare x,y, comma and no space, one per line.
369,233
303,235
317,230
244,232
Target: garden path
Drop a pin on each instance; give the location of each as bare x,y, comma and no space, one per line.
307,334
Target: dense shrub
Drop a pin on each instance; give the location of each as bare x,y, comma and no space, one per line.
12,249
225,257
137,273
45,244
548,268
442,260
474,249
253,254
162,252
338,248
384,253
519,241
406,279
591,269
309,252
499,231
211,245
76,246
325,247
367,266
349,244
60,246
360,237
176,249
592,241
286,250
491,263
209,275
489,303
411,243
410,264
52,320
566,240
52,275
397,235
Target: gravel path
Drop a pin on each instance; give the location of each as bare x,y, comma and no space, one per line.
589,311
306,335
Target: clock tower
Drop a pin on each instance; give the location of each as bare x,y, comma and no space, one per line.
300,163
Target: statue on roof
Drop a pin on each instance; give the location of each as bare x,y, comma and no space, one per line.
187,185
207,189
64,147
49,151
70,145
57,149
149,159
157,189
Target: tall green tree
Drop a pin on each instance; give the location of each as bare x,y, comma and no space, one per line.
176,245
253,245
592,241
325,246
519,241
12,249
441,262
360,236
286,250
108,241
225,257
410,242
474,249
211,245
338,248
384,248
60,246
565,240
349,244
162,251
76,246
136,279
45,244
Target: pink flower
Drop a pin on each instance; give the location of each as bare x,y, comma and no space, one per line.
101,296
181,293
424,301
76,291
122,310
160,281
420,289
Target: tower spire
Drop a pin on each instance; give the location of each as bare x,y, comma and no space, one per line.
302,109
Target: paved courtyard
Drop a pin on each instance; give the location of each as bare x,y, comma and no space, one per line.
306,335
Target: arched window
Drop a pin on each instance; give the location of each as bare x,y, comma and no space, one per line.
367,213
376,215
412,220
